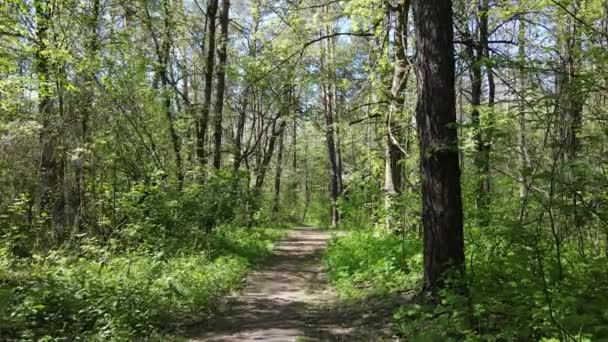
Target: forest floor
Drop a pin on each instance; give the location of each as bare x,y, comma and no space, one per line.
289,299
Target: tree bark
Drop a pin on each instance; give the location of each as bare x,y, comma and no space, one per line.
570,105
570,102
221,83
203,125
269,151
240,131
522,135
278,172
164,58
486,146
436,122
393,152
477,51
331,133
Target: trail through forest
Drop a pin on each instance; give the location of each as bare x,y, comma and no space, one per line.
289,299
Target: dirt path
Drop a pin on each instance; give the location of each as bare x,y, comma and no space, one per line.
289,299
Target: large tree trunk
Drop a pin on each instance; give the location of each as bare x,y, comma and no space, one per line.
221,82
203,125
436,121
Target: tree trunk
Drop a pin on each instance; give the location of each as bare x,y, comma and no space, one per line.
436,120
332,141
524,158
221,82
486,146
476,52
87,95
295,142
268,152
240,130
51,201
279,172
336,116
570,105
570,102
393,154
206,106
164,58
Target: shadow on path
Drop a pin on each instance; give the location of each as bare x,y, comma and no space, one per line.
288,299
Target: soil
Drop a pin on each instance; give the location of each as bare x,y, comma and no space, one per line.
289,299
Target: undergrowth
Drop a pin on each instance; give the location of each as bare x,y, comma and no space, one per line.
364,263
518,287
124,296
507,300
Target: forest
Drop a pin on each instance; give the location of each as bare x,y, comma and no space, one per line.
345,170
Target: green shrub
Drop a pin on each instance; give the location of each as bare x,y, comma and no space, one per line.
515,289
364,262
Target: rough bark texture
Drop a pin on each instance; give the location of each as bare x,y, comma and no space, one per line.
436,121
221,84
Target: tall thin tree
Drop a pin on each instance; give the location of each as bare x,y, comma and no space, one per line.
203,125
221,83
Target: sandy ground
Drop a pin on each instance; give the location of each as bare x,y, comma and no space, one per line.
289,299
